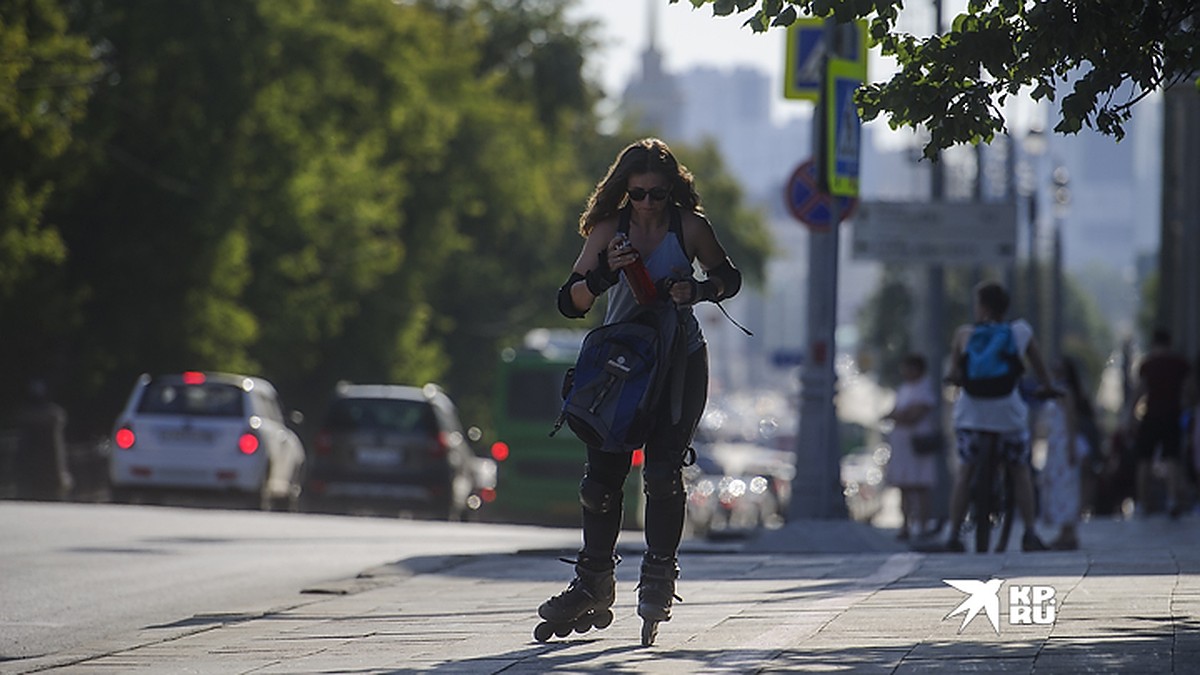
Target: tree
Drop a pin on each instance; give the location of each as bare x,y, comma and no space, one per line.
46,75
883,323
956,84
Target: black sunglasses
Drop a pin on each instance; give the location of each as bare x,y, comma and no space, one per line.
658,194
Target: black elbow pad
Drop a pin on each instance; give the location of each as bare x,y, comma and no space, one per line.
566,306
731,278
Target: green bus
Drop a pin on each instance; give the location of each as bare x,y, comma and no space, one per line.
538,475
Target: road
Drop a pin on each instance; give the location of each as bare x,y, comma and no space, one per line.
71,574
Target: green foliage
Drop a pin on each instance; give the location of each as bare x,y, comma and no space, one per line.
45,75
309,191
955,85
883,322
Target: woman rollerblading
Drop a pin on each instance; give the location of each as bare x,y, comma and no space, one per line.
644,216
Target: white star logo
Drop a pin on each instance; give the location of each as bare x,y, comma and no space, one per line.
984,595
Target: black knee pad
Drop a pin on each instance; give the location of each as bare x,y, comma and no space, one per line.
662,482
597,497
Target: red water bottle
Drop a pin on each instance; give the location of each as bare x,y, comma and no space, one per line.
639,279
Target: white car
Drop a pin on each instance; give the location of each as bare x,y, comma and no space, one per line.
206,432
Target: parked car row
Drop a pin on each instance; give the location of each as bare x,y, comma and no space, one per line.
736,488
378,448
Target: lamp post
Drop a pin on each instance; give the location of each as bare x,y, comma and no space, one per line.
1034,146
1062,198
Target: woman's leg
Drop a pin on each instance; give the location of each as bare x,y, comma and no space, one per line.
602,497
666,499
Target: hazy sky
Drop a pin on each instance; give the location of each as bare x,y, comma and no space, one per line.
687,37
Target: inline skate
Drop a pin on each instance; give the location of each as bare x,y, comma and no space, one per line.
656,592
584,605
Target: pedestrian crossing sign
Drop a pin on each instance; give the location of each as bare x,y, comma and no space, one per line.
845,137
806,56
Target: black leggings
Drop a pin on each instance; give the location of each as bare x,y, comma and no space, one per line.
664,452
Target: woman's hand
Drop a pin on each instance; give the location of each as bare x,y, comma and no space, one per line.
620,253
683,292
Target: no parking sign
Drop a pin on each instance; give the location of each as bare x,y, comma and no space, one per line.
811,206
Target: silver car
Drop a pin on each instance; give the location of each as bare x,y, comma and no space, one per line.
204,432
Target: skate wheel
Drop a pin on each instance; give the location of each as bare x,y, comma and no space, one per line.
563,631
649,632
542,632
603,619
584,623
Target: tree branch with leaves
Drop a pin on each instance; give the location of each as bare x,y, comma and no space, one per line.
1113,54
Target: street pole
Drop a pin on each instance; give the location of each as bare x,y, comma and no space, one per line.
1062,198
935,289
817,487
1034,145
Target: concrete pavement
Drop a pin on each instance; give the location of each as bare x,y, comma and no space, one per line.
813,596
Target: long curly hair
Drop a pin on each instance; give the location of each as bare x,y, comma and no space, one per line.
643,156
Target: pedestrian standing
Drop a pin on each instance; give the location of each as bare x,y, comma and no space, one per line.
645,210
1068,449
1161,377
915,442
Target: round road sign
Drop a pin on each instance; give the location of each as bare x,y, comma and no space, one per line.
811,206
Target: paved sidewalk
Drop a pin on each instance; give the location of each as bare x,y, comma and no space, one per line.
814,596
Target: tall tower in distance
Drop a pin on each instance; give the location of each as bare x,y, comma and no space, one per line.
652,100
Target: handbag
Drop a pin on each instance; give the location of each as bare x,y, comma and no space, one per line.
927,444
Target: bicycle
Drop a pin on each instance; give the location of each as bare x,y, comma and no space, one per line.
991,502
992,490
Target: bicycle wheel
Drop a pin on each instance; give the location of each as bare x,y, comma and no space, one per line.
983,490
1004,511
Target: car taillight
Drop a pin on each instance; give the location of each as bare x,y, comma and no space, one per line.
639,456
488,494
499,451
193,377
125,438
443,444
323,442
248,443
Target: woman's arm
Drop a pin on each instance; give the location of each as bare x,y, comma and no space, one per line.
724,280
594,271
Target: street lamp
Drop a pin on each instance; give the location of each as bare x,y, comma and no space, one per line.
1034,146
1062,198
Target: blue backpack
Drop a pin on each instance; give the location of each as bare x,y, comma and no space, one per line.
611,396
991,365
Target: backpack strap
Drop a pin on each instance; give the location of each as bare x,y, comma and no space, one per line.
676,226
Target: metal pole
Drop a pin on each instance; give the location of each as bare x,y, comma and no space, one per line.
935,338
1010,194
817,490
1062,198
936,281
1056,297
1032,287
